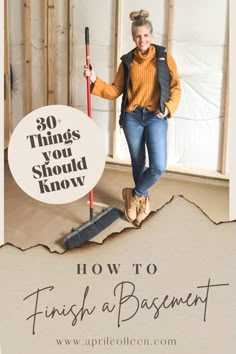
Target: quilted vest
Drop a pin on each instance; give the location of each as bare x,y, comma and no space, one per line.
163,78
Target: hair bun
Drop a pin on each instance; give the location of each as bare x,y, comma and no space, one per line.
138,15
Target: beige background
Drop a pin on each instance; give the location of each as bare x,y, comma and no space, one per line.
187,248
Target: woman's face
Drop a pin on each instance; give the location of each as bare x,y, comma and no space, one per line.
142,38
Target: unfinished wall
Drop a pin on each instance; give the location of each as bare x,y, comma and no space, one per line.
200,48
16,36
198,42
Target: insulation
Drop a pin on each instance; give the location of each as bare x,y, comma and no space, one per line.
62,45
199,47
37,29
201,54
16,34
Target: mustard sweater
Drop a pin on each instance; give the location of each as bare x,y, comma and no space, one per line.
143,88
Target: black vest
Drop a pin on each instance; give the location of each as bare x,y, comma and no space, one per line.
163,78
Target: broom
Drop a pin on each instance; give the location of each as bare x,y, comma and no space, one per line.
101,221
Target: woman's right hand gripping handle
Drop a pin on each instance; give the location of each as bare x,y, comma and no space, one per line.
88,72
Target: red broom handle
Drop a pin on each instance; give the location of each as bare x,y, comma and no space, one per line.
88,65
88,104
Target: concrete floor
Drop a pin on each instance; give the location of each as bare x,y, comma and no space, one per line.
29,222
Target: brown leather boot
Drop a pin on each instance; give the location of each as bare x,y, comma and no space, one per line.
131,204
143,210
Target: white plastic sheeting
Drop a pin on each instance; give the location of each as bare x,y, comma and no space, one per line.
16,37
62,46
199,46
37,32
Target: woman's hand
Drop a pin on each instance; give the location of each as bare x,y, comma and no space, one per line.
161,115
88,72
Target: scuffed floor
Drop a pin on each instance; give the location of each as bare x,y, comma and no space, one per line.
29,222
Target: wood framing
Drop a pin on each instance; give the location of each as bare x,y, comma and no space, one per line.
225,124
51,54
116,128
7,80
232,109
69,51
28,56
170,25
45,53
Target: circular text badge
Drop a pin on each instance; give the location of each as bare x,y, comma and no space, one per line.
56,154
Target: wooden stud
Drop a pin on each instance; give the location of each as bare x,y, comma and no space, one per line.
170,26
226,123
172,126
28,57
7,81
69,50
45,52
51,63
116,128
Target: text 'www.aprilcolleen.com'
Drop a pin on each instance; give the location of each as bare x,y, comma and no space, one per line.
109,341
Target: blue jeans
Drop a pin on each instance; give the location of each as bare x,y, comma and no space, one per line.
143,128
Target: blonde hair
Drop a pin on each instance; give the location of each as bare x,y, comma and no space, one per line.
139,18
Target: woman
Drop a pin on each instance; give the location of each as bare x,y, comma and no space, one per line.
147,77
